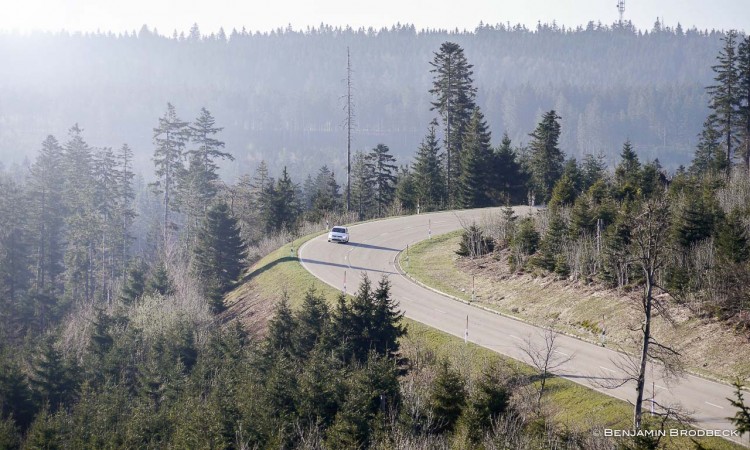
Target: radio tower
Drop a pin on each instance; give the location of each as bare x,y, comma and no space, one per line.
621,9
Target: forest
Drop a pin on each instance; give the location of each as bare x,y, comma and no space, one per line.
279,93
112,279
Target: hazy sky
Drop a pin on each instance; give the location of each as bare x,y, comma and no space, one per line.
263,15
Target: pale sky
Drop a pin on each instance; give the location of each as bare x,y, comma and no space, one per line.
264,15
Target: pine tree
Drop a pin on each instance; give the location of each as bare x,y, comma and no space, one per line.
546,158
454,93
219,254
475,164
725,93
384,177
428,178
732,242
170,138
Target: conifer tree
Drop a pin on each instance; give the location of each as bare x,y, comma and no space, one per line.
405,192
428,177
454,94
15,276
546,158
198,184
219,254
47,215
507,179
475,164
447,397
82,219
384,177
709,158
170,138
363,191
743,68
628,175
51,380
725,93
283,205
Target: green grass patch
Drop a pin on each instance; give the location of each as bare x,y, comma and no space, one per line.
577,406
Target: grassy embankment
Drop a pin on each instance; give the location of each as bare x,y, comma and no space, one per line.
709,348
280,272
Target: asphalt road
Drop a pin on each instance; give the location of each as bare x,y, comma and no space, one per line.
372,250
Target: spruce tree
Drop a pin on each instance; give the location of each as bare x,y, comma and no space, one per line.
743,68
83,221
429,185
454,94
219,254
47,215
447,397
363,189
546,158
170,138
709,158
475,164
724,94
384,176
628,176
507,179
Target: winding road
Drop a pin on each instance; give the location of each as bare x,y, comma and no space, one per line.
373,249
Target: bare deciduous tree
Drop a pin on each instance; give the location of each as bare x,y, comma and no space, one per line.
545,357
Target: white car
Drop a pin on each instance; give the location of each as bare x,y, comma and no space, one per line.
338,234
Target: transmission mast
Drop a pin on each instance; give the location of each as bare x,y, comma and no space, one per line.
621,9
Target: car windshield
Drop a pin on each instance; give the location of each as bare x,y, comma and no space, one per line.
339,230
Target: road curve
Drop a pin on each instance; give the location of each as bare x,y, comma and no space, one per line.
372,250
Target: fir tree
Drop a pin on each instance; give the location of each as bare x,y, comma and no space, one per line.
47,215
507,179
743,68
170,138
725,93
447,397
475,164
384,176
219,254
628,175
454,93
428,179
709,158
546,158
363,190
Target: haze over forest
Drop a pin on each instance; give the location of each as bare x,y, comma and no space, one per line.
279,95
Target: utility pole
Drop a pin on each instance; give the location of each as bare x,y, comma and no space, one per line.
349,125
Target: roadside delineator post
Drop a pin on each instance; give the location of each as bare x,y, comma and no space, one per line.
429,228
466,331
473,289
345,282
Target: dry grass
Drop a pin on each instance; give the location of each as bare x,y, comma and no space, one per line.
710,348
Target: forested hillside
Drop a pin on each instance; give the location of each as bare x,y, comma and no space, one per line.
280,94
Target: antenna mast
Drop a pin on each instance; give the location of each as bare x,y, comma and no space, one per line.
621,9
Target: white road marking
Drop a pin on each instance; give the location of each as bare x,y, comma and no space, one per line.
608,369
440,311
715,406
515,337
661,387
564,354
